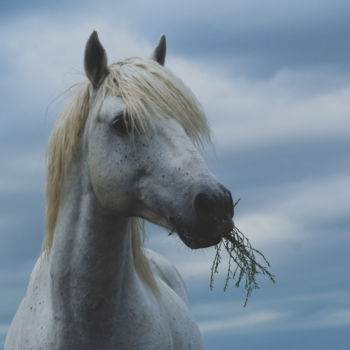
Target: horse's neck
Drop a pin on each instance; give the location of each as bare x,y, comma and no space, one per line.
91,263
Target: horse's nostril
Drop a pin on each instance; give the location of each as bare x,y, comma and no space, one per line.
203,204
217,206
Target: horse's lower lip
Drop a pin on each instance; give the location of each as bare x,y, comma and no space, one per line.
201,243
195,242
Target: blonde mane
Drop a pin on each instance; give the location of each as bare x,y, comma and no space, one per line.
149,91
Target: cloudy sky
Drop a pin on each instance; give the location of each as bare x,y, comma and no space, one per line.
274,80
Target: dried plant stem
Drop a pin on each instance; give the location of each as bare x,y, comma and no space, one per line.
246,267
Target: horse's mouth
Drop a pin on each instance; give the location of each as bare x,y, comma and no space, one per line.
204,237
198,242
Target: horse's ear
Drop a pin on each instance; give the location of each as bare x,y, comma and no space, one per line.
95,61
160,51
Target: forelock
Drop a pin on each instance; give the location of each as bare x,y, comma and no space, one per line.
151,91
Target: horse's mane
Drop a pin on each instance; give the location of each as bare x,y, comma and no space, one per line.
149,91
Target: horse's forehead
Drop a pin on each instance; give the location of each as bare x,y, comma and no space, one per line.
110,107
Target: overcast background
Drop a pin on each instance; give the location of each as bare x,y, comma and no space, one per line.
274,80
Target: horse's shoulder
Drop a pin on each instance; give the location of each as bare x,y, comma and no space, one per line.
31,311
167,272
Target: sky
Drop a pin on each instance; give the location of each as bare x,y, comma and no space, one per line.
274,80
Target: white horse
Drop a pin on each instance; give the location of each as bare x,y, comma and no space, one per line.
122,151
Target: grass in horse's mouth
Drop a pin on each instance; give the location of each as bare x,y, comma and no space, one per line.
243,255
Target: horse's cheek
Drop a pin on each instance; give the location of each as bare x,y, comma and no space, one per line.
108,179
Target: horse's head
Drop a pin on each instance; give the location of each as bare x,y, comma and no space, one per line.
140,136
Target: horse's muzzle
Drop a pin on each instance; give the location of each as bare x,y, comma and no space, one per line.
212,220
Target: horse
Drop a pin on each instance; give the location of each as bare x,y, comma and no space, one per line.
124,150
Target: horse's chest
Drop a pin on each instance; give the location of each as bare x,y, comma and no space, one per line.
142,326
164,324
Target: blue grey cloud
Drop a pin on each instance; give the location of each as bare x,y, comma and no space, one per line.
258,40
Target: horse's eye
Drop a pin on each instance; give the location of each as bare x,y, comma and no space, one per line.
120,124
